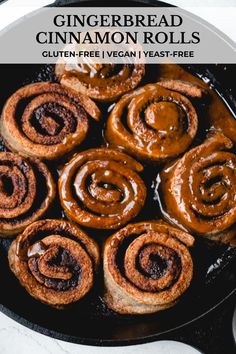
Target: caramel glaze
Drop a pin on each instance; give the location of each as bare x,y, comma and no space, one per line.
147,267
157,125
199,190
100,188
216,115
55,261
152,123
211,206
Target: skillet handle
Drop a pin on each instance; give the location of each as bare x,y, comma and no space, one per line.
212,334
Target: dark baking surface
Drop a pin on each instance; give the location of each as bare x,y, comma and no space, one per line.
212,334
91,322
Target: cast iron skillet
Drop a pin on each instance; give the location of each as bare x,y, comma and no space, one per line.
91,322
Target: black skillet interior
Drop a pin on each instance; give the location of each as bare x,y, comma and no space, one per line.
91,322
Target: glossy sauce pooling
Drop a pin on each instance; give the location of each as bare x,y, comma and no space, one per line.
152,123
217,115
100,188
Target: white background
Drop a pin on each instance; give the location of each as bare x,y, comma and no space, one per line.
16,339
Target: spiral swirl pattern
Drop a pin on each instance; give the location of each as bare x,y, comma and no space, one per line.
100,188
26,192
55,261
44,120
147,267
199,190
103,82
152,123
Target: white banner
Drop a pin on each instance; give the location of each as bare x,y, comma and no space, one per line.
114,35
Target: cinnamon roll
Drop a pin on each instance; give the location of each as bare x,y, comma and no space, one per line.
216,114
100,188
45,120
147,267
199,190
103,82
54,261
26,192
152,123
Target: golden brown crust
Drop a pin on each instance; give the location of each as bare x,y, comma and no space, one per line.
27,190
54,261
147,267
159,123
103,82
45,120
199,190
186,88
100,188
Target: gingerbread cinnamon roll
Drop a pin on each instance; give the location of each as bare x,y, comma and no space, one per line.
101,189
152,123
103,82
54,261
199,190
26,192
45,120
147,267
